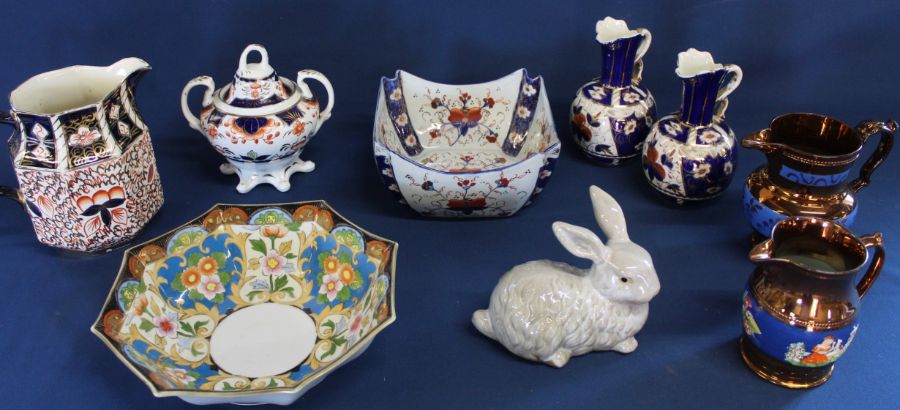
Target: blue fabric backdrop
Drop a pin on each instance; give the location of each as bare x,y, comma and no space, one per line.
831,57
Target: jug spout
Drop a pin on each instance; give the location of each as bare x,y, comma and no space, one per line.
759,140
128,66
131,69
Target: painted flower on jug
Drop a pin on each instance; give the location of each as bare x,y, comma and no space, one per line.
652,165
103,207
709,136
166,325
410,139
124,129
331,285
728,167
84,136
630,97
39,132
701,170
114,111
597,93
672,128
210,286
630,126
40,152
273,263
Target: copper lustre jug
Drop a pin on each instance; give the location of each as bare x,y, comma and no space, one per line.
810,157
801,304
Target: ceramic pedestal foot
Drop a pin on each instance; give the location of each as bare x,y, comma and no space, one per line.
279,178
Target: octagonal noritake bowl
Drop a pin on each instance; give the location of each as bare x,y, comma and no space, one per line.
476,150
249,303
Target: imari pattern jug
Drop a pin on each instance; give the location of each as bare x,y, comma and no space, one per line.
612,114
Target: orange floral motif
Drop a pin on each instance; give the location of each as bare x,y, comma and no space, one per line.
207,266
347,274
298,128
331,264
191,277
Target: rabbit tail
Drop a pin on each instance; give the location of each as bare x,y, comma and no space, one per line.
482,321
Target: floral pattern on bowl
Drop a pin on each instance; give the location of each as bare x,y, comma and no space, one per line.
479,150
174,293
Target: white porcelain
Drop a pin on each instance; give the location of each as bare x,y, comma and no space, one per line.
260,122
549,311
475,150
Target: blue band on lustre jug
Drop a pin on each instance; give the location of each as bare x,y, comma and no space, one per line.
809,161
800,310
690,155
611,115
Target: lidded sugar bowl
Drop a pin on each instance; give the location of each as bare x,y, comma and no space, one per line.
260,122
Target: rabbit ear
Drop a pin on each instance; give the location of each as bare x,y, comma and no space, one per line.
609,215
581,242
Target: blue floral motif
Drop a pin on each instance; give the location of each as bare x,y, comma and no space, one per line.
314,258
175,265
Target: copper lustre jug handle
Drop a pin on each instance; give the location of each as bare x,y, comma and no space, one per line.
874,240
866,129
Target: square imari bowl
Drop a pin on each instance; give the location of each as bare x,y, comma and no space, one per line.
249,303
475,150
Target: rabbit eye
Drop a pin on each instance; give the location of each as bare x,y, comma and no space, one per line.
623,279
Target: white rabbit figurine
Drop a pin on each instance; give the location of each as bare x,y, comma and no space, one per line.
548,311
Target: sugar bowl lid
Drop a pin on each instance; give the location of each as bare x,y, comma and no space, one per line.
255,84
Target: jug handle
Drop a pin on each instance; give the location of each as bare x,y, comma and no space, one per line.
11,193
639,54
205,81
7,191
7,118
874,240
866,129
737,75
325,114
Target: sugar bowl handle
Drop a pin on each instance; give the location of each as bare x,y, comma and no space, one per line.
866,129
303,75
873,240
205,81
